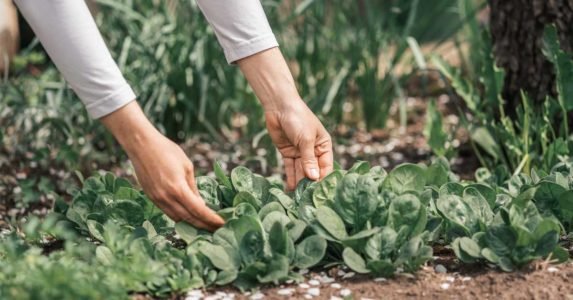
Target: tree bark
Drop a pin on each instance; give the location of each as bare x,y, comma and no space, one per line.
517,30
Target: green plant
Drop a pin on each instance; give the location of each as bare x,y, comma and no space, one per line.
535,134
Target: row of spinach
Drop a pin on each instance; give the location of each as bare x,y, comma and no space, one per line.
370,220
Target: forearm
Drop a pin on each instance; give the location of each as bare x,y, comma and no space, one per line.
269,76
130,127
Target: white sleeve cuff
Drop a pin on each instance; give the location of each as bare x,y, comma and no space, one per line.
111,103
251,47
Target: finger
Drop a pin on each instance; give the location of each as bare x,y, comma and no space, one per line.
308,159
290,173
193,184
299,172
168,211
197,208
325,158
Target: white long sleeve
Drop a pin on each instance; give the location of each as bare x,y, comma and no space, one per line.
240,25
71,38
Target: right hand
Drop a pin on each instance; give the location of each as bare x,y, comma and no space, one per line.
162,168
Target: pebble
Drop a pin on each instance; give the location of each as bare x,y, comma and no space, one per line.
440,269
195,293
552,269
380,279
348,275
326,279
340,273
336,286
345,292
335,298
286,292
307,296
303,271
303,286
445,286
257,296
314,282
313,292
450,279
466,279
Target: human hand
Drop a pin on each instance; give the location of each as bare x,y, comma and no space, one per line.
303,142
162,168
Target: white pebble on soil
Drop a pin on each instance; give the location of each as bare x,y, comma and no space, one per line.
303,286
340,273
348,275
285,292
552,269
257,296
450,279
336,286
380,279
314,282
326,279
307,296
335,298
313,292
445,286
466,278
345,292
303,271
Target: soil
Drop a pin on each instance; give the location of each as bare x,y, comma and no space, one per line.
538,281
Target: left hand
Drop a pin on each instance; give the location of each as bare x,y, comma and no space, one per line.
303,142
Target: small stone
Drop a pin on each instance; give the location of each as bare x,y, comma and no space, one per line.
348,275
286,292
303,271
314,282
195,293
313,292
450,279
345,292
440,269
307,296
303,286
466,278
336,286
335,298
380,279
445,286
552,269
290,281
326,279
257,296
340,273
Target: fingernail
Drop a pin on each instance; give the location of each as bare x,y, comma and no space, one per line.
313,173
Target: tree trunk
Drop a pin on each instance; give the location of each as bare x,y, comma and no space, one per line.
9,37
517,30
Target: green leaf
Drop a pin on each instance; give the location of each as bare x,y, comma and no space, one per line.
382,244
216,255
126,212
356,199
404,178
242,179
275,270
354,261
326,189
434,131
279,239
360,167
220,174
104,255
251,247
187,232
246,197
95,229
331,222
310,252
208,189
226,277
270,207
274,217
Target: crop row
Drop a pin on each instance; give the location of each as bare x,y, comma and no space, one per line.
370,220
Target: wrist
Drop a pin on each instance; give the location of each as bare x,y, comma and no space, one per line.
131,128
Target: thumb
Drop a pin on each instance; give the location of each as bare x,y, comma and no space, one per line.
309,162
